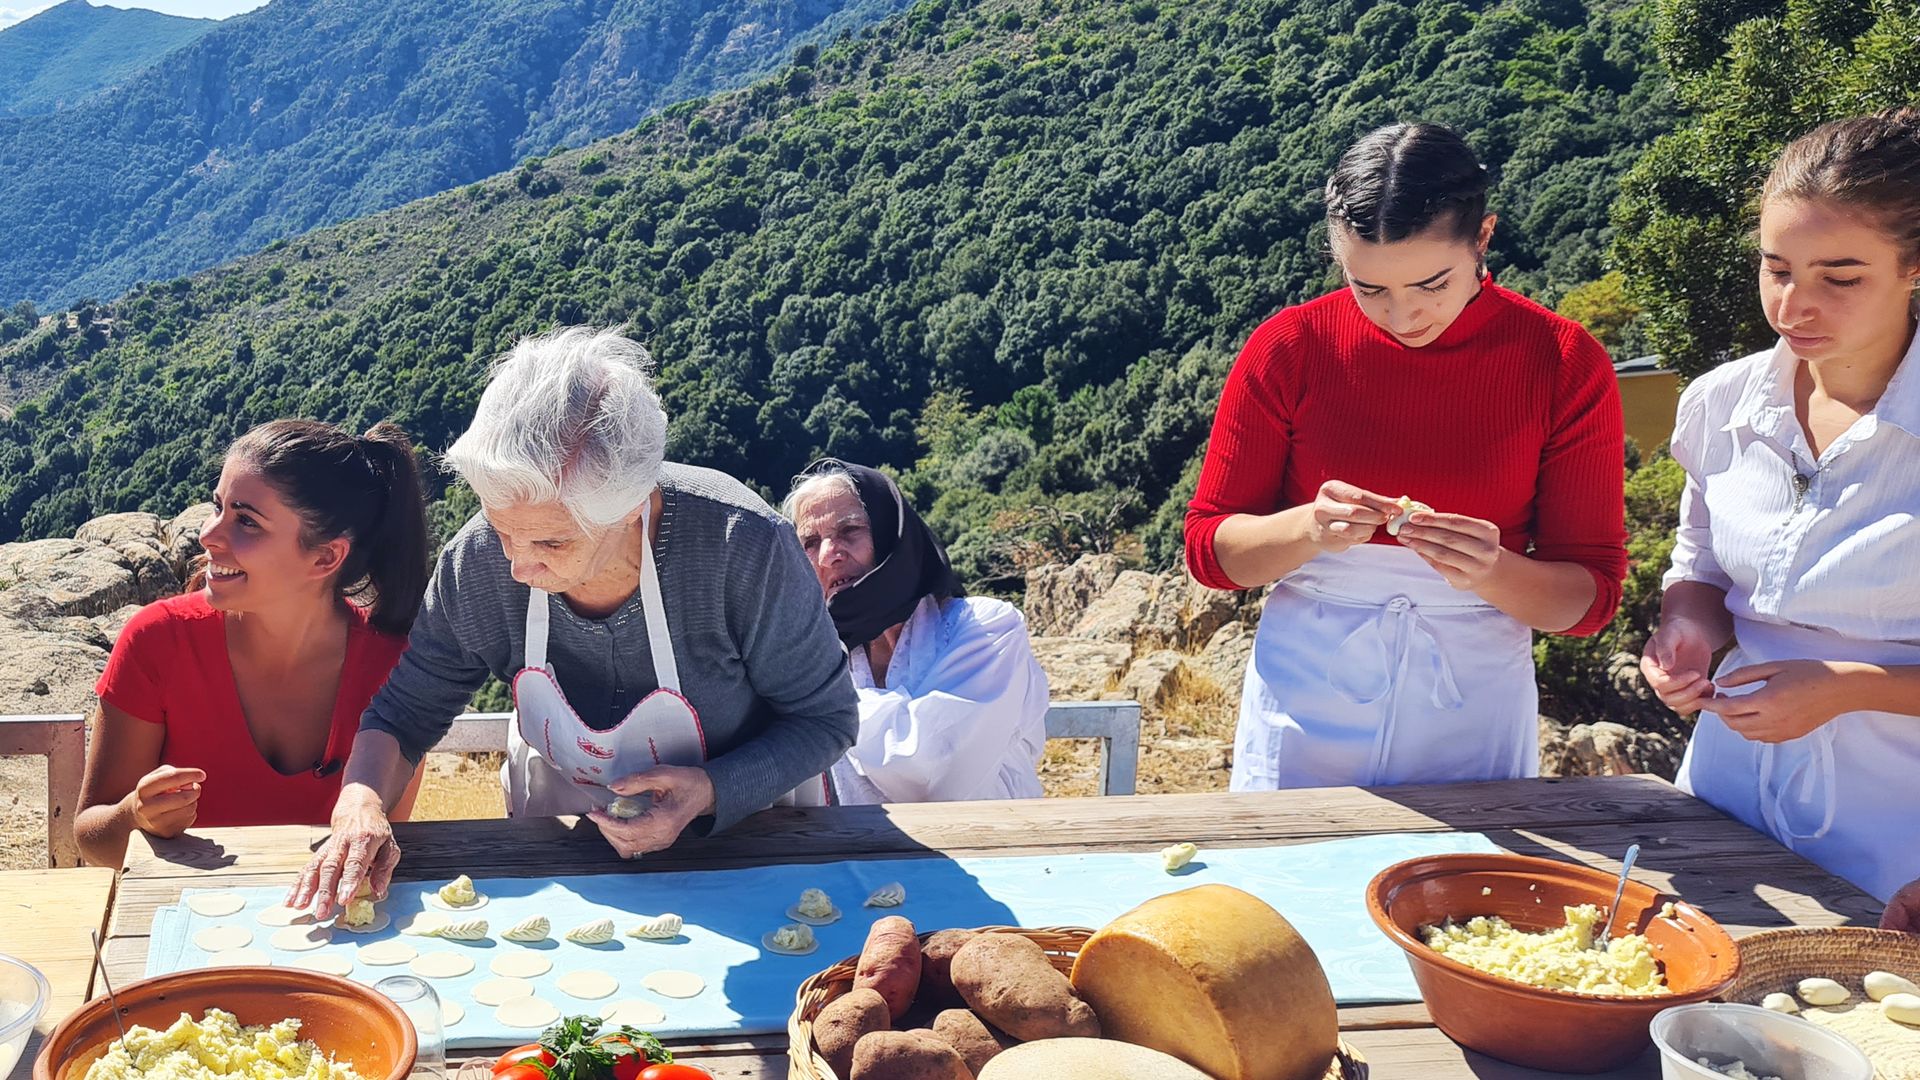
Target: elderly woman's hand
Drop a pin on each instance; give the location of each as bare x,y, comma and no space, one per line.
680,794
1903,911
361,849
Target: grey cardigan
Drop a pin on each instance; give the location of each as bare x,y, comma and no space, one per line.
757,653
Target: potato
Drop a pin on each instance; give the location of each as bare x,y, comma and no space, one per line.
842,1023
936,967
890,963
971,1037
1009,982
906,1055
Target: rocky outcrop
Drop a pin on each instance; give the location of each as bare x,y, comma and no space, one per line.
1058,593
1606,749
1080,670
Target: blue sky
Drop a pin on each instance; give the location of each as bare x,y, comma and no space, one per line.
13,11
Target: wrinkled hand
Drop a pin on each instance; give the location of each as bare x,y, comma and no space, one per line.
165,801
1796,697
680,794
1464,550
1676,663
1344,515
361,849
1903,911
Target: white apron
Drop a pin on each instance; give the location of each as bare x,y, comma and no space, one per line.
556,764
1369,669
1861,830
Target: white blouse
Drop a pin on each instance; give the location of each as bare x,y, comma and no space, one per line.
1820,559
963,714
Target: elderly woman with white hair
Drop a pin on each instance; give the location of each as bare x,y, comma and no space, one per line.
673,665
953,704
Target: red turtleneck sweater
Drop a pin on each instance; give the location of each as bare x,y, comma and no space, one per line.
1512,415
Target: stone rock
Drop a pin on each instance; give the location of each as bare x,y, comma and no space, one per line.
1058,594
1203,611
1606,749
45,672
1150,679
1119,612
1080,670
182,536
1223,660
79,578
111,624
116,529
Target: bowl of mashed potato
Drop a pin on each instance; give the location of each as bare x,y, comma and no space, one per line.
1500,947
243,1023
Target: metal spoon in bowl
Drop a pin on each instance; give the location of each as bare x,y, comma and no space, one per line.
1606,929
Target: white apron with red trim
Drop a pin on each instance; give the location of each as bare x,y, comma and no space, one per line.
1369,669
556,764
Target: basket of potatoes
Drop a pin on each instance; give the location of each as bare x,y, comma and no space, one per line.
993,1003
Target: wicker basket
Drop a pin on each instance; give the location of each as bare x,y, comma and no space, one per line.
1062,945
1772,961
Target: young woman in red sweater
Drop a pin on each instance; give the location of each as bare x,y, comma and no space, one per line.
236,702
1396,647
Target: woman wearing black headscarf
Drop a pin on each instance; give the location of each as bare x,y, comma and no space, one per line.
953,704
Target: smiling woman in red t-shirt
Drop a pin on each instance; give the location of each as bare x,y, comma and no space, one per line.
236,703
1396,645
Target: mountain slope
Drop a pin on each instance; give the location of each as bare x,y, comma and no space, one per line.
73,49
308,112
1009,248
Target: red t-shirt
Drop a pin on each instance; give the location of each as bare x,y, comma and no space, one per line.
170,667
1512,415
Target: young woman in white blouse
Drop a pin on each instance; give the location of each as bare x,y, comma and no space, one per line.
1799,538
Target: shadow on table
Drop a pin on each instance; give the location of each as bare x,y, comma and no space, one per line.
1742,878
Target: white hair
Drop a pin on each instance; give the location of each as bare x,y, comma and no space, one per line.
569,416
830,479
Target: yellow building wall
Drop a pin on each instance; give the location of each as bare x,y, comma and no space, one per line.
1649,402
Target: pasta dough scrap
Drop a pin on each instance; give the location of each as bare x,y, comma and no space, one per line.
385,953
598,932
325,964
1175,856
587,985
218,939
282,915
520,965
501,991
526,1012
528,931
441,965
300,938
216,905
240,958
451,1013
892,894
633,1012
675,984
658,927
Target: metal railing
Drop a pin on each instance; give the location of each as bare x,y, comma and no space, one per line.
62,740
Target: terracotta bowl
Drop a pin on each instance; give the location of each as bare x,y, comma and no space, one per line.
1529,1025
355,1023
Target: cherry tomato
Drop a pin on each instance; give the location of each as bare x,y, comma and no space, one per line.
524,1070
675,1071
518,1054
629,1059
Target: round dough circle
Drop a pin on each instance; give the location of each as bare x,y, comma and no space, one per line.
300,938
587,985
326,964
433,900
675,984
644,1015
794,914
520,965
766,941
451,1013
282,915
385,953
240,958
501,991
216,905
381,920
442,965
219,939
526,1012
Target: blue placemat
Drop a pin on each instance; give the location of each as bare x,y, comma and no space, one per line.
1319,887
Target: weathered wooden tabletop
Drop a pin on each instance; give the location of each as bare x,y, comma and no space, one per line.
1739,877
44,919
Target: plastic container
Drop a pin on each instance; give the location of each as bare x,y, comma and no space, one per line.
23,997
1770,1043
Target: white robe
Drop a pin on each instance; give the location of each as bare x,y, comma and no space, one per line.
963,714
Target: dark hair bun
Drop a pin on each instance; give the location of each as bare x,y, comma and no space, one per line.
1402,179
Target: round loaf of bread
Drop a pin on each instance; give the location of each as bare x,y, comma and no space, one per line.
1216,978
1086,1059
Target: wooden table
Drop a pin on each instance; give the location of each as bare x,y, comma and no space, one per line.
1743,879
44,919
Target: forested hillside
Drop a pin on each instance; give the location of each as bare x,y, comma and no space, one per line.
70,50
308,112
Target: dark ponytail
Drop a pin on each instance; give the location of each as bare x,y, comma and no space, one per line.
364,488
1399,180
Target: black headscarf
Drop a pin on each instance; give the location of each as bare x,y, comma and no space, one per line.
909,562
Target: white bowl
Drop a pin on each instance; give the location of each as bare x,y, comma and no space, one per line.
23,997
1769,1043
